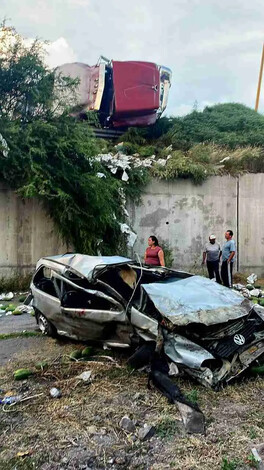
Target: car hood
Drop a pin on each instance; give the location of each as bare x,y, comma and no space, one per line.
196,300
87,265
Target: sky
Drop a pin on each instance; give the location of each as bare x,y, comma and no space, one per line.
213,47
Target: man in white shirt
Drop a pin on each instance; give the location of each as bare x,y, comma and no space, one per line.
212,254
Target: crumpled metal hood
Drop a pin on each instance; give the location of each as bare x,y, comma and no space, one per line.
196,300
85,264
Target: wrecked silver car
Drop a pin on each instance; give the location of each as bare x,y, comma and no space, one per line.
208,331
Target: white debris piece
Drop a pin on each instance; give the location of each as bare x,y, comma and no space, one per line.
123,162
100,175
85,376
161,161
238,287
225,159
251,279
125,176
256,293
7,296
131,236
25,308
173,369
3,144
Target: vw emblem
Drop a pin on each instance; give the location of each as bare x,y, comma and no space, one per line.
239,340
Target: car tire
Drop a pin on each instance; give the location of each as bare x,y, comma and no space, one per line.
45,326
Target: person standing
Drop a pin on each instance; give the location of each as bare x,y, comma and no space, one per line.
228,253
211,254
154,255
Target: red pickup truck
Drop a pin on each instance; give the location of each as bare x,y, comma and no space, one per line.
130,93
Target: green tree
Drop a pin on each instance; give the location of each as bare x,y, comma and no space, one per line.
49,155
28,88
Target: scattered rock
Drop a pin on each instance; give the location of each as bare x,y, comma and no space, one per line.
146,432
91,430
252,278
85,376
256,293
127,424
55,392
120,460
193,420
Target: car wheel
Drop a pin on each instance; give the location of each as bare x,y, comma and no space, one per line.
45,326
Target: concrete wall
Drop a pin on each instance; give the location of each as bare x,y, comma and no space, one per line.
183,215
27,233
179,213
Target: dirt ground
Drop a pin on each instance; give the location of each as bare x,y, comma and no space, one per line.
81,429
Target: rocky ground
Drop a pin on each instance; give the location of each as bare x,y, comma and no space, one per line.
82,429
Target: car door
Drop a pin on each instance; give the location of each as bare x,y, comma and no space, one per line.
88,314
46,298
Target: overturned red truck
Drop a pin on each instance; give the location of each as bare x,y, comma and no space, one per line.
130,93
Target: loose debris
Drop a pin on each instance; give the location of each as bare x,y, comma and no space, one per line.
251,291
7,296
84,423
85,376
55,392
192,416
127,424
147,432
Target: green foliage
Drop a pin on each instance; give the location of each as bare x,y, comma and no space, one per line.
229,124
167,428
192,396
52,162
92,119
229,464
50,155
183,165
15,283
253,462
168,256
28,89
138,179
147,150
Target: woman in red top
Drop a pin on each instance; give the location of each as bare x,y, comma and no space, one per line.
154,254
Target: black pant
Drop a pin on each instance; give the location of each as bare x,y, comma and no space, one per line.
227,273
213,270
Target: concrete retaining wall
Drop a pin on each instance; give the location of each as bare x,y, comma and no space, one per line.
27,233
179,213
183,215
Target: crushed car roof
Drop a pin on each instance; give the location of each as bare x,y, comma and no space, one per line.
85,264
196,299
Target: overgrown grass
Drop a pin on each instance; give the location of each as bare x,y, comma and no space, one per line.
167,428
21,334
230,464
204,160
